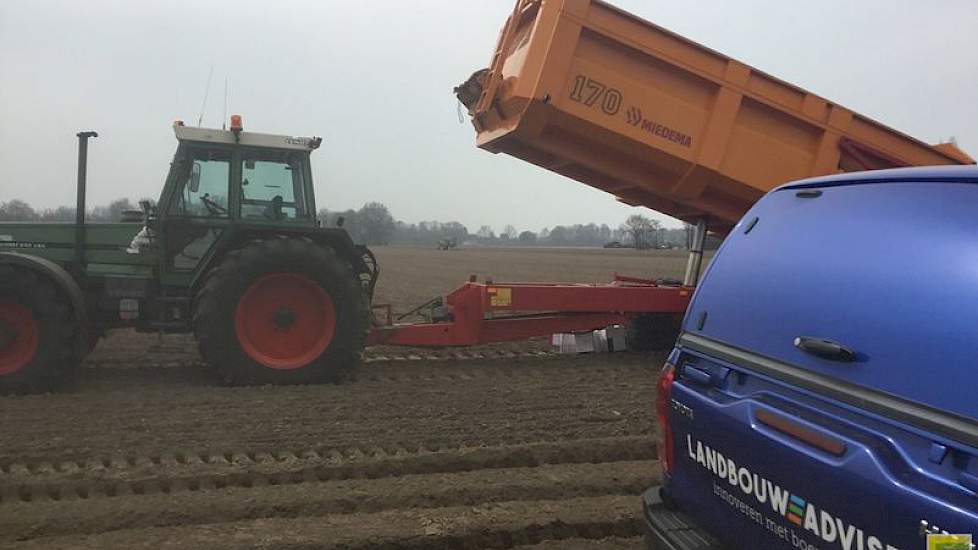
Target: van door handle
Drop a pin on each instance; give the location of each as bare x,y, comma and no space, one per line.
696,375
715,376
826,349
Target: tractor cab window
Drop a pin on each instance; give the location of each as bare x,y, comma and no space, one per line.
204,191
272,186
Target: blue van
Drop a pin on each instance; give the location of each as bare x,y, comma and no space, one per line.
824,391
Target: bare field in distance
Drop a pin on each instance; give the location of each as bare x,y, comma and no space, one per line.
410,275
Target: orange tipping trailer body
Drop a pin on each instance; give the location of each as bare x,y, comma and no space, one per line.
586,90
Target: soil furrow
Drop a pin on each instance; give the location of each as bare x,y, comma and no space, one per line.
492,525
24,521
388,371
171,474
176,359
571,403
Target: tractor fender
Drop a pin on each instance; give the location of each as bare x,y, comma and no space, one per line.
340,242
61,279
338,239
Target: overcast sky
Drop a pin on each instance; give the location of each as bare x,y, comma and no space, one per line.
375,79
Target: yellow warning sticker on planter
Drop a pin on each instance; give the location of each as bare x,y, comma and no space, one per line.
949,542
500,296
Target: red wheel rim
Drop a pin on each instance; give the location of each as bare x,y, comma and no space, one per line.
285,321
18,337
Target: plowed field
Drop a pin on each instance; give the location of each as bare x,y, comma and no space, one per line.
502,447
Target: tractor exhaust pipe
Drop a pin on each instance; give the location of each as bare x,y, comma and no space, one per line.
80,202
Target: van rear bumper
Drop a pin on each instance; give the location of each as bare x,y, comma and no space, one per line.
667,529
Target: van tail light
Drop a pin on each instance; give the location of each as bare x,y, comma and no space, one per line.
663,431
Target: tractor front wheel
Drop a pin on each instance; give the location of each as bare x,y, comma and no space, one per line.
37,333
281,311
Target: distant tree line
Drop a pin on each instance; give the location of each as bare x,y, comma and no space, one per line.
19,211
373,224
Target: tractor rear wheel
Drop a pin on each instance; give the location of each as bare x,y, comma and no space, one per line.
281,311
654,331
38,350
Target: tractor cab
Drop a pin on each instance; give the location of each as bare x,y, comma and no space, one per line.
224,178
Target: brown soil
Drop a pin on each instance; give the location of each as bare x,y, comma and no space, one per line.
502,448
498,453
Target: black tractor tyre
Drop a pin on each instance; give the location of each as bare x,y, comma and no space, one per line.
38,339
253,289
654,331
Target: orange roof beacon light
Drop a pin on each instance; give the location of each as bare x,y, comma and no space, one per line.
236,126
177,123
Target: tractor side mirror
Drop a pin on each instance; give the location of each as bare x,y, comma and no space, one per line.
195,178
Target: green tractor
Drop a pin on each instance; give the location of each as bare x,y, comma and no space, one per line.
232,252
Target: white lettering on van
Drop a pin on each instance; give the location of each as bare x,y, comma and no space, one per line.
795,510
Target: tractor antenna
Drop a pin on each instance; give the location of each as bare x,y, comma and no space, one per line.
207,90
224,116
